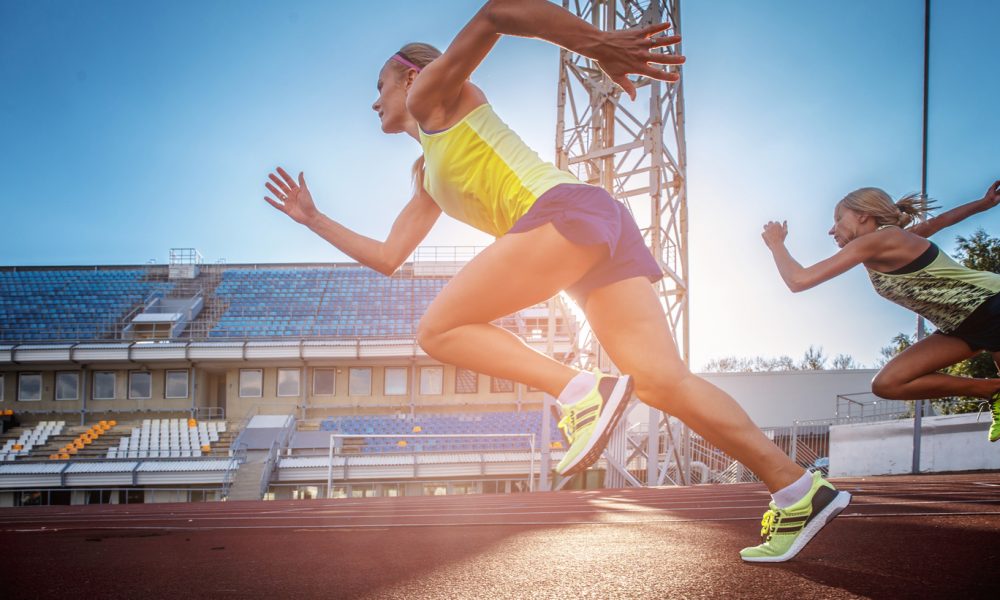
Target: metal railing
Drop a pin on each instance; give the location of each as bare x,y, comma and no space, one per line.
237,458
461,436
272,456
866,407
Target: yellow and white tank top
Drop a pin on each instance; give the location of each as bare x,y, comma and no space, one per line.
937,288
480,172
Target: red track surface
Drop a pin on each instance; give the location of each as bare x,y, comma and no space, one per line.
932,536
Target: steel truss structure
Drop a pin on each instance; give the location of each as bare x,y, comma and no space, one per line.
635,150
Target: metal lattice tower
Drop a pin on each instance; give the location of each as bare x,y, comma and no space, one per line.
635,150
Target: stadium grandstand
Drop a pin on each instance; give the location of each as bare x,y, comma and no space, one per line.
190,381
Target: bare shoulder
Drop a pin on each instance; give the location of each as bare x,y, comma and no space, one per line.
892,247
446,115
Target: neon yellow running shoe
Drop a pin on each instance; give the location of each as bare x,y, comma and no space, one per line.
588,423
785,531
995,411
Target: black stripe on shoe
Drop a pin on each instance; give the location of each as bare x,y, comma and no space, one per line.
583,414
606,387
823,496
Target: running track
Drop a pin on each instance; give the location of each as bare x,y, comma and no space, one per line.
935,536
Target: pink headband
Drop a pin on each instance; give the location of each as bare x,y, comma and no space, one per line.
401,60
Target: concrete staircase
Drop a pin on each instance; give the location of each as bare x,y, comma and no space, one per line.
246,482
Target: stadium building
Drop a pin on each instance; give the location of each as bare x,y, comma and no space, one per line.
192,381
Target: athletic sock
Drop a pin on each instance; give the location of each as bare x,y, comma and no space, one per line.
577,388
794,492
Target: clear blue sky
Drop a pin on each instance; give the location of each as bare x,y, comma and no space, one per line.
129,128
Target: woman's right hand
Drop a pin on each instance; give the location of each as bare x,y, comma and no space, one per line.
292,198
774,233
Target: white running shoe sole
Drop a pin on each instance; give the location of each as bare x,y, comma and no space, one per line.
826,515
612,412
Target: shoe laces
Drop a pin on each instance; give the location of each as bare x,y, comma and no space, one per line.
568,425
768,523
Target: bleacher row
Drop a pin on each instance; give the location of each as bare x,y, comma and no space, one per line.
169,438
87,304
69,304
349,301
493,423
29,438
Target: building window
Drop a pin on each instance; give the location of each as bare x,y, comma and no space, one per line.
431,381
466,381
105,383
395,381
176,385
501,386
251,383
29,387
68,386
359,381
324,382
140,385
288,382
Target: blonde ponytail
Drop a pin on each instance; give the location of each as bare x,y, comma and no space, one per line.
910,209
913,208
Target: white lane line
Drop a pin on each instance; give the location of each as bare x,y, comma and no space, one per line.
338,511
548,524
305,520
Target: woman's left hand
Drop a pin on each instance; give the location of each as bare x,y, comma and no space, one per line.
992,197
774,233
630,51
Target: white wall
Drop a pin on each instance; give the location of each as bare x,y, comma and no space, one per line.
778,399
948,443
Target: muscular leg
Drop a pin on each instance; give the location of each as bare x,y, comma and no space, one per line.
628,320
912,375
518,271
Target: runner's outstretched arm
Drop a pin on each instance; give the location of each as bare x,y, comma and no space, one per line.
409,229
948,218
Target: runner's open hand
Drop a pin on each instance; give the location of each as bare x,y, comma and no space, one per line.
630,51
293,199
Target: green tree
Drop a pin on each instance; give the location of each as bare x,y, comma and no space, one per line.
979,251
813,360
844,362
896,345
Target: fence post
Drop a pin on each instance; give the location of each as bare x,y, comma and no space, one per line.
795,441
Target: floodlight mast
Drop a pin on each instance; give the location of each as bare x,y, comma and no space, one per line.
636,151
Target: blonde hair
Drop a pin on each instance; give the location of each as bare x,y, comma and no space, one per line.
421,55
910,209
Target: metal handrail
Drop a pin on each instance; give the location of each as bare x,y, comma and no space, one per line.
272,456
238,457
269,462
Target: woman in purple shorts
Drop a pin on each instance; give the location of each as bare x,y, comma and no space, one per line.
553,233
